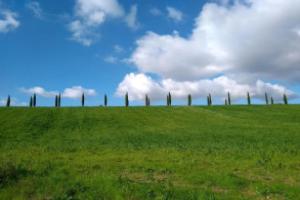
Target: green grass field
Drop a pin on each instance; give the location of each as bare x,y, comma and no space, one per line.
236,152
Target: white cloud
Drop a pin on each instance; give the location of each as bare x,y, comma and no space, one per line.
77,91
174,14
111,59
156,12
137,85
249,41
2,102
8,21
131,18
89,15
39,91
13,102
118,48
35,8
73,92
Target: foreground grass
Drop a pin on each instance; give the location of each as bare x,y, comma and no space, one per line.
237,152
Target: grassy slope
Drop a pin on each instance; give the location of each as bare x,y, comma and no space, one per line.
237,152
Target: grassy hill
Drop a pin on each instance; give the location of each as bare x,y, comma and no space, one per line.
237,152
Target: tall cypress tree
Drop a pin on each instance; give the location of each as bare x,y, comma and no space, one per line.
34,100
248,98
189,100
56,101
31,101
82,100
229,98
170,99
285,99
272,101
126,100
105,100
59,100
210,99
266,98
8,101
147,100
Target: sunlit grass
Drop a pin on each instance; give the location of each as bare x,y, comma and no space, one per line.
233,152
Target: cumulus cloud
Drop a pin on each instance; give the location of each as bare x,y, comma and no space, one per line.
8,21
39,91
73,92
174,14
259,39
90,14
35,8
235,46
137,85
76,92
131,18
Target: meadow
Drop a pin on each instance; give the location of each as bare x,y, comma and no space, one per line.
197,152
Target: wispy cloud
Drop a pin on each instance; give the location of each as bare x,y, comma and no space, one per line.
8,21
35,8
174,14
118,49
131,18
111,59
155,12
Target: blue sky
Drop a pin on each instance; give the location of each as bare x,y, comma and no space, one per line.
143,46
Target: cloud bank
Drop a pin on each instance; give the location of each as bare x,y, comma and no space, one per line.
238,48
140,84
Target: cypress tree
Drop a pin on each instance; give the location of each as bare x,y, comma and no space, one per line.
59,100
149,103
229,98
266,98
285,99
56,101
272,100
34,100
30,102
170,99
147,100
126,100
248,98
210,100
105,100
226,103
189,100
167,100
82,100
8,101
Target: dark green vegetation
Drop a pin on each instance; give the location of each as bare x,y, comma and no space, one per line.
215,152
